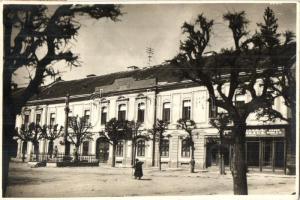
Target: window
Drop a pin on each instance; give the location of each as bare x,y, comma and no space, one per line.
141,148
87,117
70,118
166,112
122,112
103,115
185,148
141,112
239,100
212,110
52,119
26,120
186,110
85,148
38,119
164,148
119,149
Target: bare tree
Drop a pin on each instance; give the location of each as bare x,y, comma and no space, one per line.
115,130
188,126
221,123
157,133
249,68
134,135
51,133
27,29
30,133
80,132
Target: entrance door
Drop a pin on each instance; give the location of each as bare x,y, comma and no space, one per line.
102,150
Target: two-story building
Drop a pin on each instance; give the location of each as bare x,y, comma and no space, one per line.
145,95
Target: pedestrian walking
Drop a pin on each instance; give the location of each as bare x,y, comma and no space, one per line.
138,169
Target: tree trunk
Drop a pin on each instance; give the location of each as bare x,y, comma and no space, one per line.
193,158
291,142
76,156
239,165
133,152
153,151
9,145
113,160
36,150
159,153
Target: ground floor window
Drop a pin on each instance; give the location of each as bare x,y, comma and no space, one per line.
119,149
85,148
185,148
141,148
164,148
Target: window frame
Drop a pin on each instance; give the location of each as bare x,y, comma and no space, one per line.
141,148
185,149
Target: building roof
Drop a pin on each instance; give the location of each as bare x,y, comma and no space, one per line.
166,73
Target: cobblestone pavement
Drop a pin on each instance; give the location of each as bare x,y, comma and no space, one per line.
105,181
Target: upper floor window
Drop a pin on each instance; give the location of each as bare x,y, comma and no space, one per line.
26,120
164,148
185,148
212,110
186,110
240,101
141,148
38,119
87,116
141,112
166,112
122,112
52,119
119,149
103,115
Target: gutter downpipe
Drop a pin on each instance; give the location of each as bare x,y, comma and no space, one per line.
154,122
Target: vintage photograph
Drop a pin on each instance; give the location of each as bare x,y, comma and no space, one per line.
159,99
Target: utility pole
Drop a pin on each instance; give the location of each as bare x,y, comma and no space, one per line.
150,52
67,110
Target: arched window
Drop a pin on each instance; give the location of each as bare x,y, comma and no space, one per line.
141,148
119,149
186,109
141,112
122,112
185,148
166,112
164,148
103,115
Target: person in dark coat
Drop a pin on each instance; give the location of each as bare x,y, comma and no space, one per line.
138,169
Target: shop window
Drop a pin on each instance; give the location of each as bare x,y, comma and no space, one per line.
122,112
252,153
141,148
186,110
119,149
164,148
141,113
185,148
166,112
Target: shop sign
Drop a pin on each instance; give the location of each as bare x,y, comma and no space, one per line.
261,132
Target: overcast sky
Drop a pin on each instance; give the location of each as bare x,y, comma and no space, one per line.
105,46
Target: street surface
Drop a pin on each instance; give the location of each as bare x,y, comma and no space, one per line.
105,181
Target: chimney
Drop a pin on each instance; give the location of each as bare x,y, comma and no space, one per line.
132,67
58,79
14,86
90,75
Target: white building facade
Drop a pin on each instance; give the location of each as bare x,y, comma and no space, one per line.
147,99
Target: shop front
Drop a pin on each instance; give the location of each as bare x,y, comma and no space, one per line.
265,149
